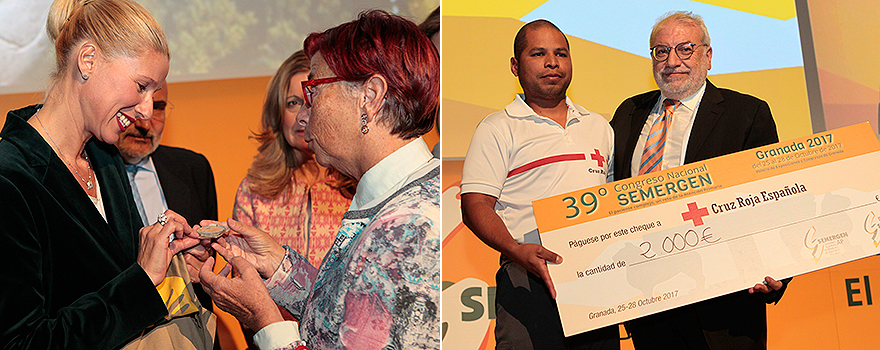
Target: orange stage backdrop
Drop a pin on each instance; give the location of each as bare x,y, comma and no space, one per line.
216,124
214,118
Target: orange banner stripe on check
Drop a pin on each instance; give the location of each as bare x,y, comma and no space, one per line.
726,171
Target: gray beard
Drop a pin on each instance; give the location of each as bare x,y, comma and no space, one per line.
128,154
690,86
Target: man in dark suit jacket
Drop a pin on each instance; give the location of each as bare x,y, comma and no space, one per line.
172,178
186,178
704,122
187,181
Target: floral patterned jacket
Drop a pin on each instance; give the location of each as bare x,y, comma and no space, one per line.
379,285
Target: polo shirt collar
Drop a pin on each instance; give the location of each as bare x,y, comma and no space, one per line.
519,109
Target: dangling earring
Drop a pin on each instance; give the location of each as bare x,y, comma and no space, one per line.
364,128
85,77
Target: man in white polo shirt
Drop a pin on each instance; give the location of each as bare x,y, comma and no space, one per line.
540,145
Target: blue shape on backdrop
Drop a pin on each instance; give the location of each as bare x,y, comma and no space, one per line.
741,41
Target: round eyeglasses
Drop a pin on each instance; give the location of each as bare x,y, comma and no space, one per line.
161,109
684,51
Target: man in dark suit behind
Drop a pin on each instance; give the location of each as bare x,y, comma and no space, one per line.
181,180
687,120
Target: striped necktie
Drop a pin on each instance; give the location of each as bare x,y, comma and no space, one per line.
652,157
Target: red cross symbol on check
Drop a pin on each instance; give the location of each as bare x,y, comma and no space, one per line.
695,214
598,157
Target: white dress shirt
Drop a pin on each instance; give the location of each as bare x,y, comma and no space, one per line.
677,135
150,190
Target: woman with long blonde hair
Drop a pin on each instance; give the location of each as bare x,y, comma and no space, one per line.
286,192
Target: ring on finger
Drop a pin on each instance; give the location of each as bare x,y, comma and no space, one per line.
162,219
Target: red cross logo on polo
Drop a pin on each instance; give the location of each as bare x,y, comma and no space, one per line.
695,214
598,158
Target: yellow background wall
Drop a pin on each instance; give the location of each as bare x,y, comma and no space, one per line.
815,312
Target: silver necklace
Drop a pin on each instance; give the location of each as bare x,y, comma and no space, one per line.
88,182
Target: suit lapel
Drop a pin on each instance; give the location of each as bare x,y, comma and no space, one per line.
171,184
114,235
67,191
708,114
123,220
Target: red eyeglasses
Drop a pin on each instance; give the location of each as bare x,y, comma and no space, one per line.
309,84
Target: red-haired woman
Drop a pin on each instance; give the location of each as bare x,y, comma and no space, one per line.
286,192
373,85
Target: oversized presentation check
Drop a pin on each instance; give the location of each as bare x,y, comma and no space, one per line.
674,237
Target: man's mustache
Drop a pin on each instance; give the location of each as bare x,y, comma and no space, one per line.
673,70
140,132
